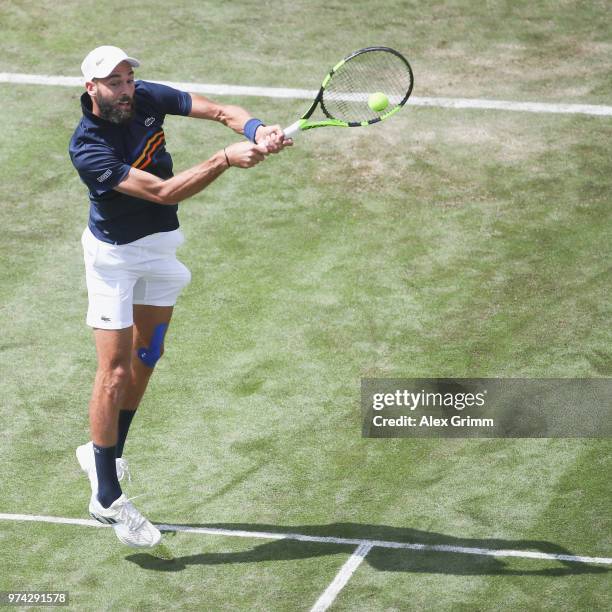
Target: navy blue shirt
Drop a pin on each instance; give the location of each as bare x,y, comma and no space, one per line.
103,153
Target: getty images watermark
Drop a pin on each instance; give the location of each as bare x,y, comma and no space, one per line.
486,408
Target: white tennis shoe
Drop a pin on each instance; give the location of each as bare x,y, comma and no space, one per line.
87,461
130,526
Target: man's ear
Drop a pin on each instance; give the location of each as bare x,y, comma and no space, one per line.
91,88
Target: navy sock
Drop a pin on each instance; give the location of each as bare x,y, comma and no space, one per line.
125,420
108,485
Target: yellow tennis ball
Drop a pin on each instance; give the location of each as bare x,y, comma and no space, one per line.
378,101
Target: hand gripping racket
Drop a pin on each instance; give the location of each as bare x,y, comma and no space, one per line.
347,92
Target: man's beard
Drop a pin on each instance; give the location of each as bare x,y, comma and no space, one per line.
110,110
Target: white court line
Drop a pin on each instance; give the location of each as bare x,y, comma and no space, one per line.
304,94
342,577
488,552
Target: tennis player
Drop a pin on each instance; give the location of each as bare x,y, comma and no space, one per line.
133,275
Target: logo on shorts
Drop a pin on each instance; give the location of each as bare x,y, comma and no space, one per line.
104,176
105,319
149,121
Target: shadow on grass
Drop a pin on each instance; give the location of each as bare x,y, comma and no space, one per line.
384,559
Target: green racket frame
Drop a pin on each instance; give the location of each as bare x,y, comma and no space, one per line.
303,123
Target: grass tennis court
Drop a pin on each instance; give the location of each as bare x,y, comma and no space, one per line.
456,243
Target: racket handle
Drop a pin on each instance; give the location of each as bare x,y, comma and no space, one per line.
293,129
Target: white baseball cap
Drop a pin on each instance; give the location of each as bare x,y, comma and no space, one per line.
100,62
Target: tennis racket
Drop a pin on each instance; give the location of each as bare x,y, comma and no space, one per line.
349,89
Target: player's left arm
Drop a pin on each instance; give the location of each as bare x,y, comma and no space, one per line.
235,117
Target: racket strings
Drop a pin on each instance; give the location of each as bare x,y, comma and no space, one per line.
347,93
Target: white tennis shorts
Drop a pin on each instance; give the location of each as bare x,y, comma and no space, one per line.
118,276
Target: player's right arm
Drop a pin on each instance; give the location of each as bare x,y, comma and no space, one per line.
147,186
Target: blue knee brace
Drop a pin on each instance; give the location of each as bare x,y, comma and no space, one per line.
150,356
